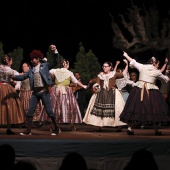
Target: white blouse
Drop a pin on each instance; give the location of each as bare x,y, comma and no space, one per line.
62,74
6,72
148,75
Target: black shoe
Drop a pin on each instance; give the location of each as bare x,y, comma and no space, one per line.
10,132
56,132
26,132
129,132
158,133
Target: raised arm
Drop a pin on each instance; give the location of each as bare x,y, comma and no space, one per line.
117,63
55,57
164,66
127,57
126,68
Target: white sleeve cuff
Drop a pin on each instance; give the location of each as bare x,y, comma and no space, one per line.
56,51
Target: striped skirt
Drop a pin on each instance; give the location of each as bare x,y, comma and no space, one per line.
65,106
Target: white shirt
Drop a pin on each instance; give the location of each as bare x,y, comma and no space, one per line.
148,74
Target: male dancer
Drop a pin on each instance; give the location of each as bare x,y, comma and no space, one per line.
40,82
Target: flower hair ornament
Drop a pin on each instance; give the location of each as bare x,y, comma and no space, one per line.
154,59
64,63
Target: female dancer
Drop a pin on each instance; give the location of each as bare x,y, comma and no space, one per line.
107,103
63,101
123,83
11,110
145,102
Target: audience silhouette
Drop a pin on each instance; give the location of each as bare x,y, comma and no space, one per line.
7,157
73,161
142,160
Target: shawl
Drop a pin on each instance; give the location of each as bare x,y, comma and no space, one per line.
106,78
61,74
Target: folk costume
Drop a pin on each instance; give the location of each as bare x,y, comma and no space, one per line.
145,102
40,82
107,103
63,101
11,110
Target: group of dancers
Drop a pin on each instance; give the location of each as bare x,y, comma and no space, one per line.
43,84
108,106
145,103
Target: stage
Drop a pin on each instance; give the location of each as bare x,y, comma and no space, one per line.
105,150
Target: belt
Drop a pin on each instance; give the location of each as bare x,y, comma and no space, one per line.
142,91
40,89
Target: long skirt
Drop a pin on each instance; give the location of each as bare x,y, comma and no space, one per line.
65,106
25,96
11,110
104,109
152,108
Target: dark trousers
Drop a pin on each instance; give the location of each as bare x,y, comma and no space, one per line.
35,98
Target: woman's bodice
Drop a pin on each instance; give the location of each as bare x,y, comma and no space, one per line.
66,82
5,73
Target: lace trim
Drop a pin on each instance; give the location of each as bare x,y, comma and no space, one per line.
106,78
62,74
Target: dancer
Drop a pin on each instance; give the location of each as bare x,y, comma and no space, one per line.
122,83
11,110
40,83
134,76
145,102
26,92
63,101
106,103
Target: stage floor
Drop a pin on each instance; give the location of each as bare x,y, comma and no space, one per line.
87,132
101,150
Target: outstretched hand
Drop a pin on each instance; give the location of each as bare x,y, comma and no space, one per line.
85,86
